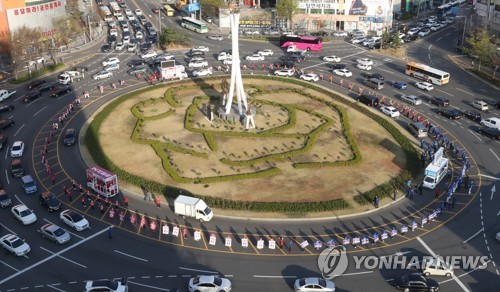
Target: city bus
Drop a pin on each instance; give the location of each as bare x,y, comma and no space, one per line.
302,42
195,25
427,73
169,11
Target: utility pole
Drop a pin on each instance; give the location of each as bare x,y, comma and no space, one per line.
90,27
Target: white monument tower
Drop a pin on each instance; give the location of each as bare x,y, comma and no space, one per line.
236,82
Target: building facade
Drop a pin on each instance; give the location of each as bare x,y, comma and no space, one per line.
488,15
15,14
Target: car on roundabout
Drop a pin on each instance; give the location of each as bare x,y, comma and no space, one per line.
400,85
202,72
424,32
55,233
364,67
197,64
49,201
17,149
480,105
424,86
255,57
472,115
342,72
134,63
390,111
415,282
13,244
331,58
141,69
24,214
106,285
311,77
284,72
313,285
439,101
411,99
209,284
200,48
266,52
110,61
102,75
227,61
372,75
451,114
60,90
74,220
492,133
112,67
215,37
148,55
5,199
365,61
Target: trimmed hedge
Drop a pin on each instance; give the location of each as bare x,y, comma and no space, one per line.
36,73
100,158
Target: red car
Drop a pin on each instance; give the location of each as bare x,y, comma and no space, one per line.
155,10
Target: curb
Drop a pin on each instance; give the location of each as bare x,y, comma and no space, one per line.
468,71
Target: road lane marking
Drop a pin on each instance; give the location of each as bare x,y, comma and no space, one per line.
475,135
9,266
15,134
354,274
52,256
465,91
430,46
195,270
435,256
480,267
125,254
52,286
444,92
275,277
7,177
493,190
74,234
481,230
64,258
148,286
495,154
40,111
7,151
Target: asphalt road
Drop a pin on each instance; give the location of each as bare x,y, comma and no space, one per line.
157,262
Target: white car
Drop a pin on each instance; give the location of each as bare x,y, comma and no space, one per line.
138,12
110,61
148,55
24,214
437,267
411,99
266,52
310,77
227,61
126,39
120,17
436,27
132,47
480,105
390,111
255,57
202,72
209,284
364,67
424,32
165,56
15,245
106,285
17,149
284,72
200,49
342,72
195,59
197,64
331,59
130,17
119,46
413,31
74,219
102,75
128,12
112,67
365,61
215,37
340,34
358,40
223,56
424,86
313,284
139,35
113,32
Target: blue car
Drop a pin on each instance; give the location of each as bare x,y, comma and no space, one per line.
400,84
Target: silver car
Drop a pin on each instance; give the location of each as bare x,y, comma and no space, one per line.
411,99
112,67
55,233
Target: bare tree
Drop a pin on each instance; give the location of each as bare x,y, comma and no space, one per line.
24,44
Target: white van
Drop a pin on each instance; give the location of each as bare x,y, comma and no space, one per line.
491,123
437,267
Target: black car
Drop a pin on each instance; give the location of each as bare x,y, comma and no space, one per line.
6,107
472,115
122,4
47,86
439,101
373,75
320,33
299,54
293,58
106,48
138,70
32,96
497,105
35,84
5,200
148,24
195,54
111,39
337,66
50,201
142,19
3,141
144,47
4,123
134,63
80,69
493,133
60,90
283,64
375,45
151,40
410,38
16,168
451,114
70,137
416,282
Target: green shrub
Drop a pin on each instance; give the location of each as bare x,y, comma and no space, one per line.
37,73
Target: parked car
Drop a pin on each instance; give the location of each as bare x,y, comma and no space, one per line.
55,233
110,61
202,72
364,67
198,64
138,70
424,32
102,75
200,48
5,200
451,114
266,52
372,75
338,66
365,61
34,84
106,48
134,63
107,285
215,37
5,123
112,67
439,101
255,57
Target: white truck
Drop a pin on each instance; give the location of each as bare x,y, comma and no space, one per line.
174,72
4,94
107,15
115,8
436,170
192,207
68,77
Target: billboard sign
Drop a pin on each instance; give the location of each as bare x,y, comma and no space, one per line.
368,7
34,16
318,4
193,7
255,23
